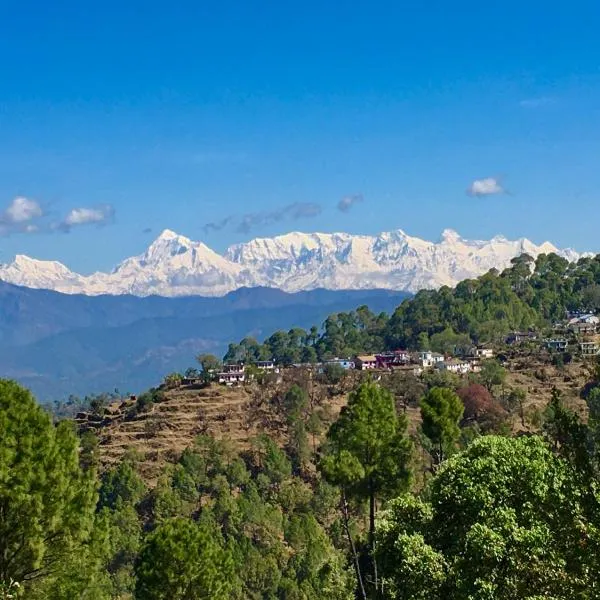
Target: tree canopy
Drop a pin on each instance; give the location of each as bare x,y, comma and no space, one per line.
504,520
47,500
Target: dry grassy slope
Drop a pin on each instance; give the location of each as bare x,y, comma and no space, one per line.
240,414
538,377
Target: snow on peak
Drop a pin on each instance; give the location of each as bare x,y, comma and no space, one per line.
450,236
174,265
168,234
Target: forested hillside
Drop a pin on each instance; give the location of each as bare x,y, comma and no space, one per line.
370,503
326,485
528,295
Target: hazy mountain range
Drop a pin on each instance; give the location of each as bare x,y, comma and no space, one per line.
60,344
174,265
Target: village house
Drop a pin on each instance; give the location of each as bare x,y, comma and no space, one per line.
584,317
518,337
454,365
345,363
482,352
365,361
558,344
232,374
583,327
589,348
429,359
265,365
396,358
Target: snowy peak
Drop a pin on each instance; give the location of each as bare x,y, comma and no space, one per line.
174,265
449,236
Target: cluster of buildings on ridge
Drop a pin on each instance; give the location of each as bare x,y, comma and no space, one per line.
580,328
417,362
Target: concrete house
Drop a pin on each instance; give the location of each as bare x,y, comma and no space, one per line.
455,365
429,359
395,358
482,352
589,348
364,362
232,374
558,344
518,337
345,363
265,365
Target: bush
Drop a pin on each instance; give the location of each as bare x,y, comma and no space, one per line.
334,373
144,402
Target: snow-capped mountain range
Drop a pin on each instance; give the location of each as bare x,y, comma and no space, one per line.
174,265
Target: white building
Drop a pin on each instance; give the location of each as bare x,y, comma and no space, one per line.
232,374
482,352
266,365
460,367
430,359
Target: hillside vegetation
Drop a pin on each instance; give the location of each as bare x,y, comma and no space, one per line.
321,484
528,295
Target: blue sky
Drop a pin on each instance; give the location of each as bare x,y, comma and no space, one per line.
120,119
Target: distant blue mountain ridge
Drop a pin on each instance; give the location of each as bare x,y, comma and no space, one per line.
60,344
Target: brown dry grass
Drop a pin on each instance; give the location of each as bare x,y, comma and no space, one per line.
239,414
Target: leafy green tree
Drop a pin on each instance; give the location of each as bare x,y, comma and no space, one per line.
209,363
516,400
172,380
121,485
441,412
271,460
368,452
182,560
47,500
591,297
334,373
504,520
571,439
88,456
298,446
492,373
295,402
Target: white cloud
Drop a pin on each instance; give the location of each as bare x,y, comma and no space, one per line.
86,216
487,186
22,209
27,216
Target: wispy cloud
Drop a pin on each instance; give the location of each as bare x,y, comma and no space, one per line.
255,220
218,225
348,202
537,102
488,186
291,212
